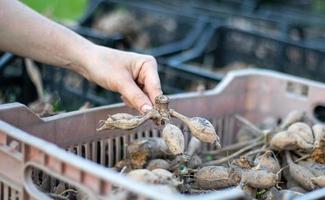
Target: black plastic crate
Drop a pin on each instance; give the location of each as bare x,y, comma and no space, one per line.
246,21
235,13
311,25
290,6
167,31
223,48
246,6
175,81
14,84
71,90
274,27
68,88
280,21
242,6
116,40
71,85
249,15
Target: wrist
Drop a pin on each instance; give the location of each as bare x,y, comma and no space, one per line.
94,54
82,56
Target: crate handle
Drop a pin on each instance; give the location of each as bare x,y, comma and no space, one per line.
37,194
297,88
319,112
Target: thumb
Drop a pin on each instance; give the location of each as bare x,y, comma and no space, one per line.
135,96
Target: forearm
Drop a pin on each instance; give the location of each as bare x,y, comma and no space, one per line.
29,34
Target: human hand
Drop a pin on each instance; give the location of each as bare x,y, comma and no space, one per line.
133,75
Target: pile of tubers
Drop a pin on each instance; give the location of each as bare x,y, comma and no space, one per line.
272,160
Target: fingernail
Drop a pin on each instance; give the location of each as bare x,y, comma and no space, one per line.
145,108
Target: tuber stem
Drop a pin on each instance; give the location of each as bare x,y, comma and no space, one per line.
233,147
292,117
297,160
35,76
255,151
237,153
249,125
193,146
125,121
58,196
162,107
68,190
181,117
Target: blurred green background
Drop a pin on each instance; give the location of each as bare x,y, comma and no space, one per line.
70,10
319,6
60,10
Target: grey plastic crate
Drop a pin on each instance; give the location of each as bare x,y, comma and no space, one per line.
28,142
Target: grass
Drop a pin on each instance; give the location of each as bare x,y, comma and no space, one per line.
59,10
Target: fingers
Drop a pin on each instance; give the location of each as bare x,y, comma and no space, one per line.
127,103
150,78
134,96
152,85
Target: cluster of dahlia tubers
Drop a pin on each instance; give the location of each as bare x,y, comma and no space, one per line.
271,160
200,128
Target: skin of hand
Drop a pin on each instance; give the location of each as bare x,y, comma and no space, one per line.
133,75
29,34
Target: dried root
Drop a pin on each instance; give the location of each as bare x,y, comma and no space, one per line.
319,181
260,179
292,117
268,161
216,177
158,164
141,151
144,175
300,174
200,128
124,121
174,139
297,136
